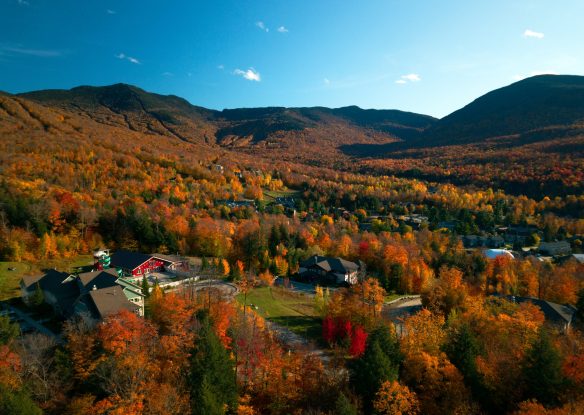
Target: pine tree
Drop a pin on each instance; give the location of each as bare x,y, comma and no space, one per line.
8,330
379,363
274,240
212,380
208,402
462,350
145,287
17,403
38,298
542,371
343,406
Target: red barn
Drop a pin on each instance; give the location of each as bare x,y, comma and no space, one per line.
136,264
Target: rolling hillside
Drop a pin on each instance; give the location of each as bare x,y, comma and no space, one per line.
131,107
536,108
527,137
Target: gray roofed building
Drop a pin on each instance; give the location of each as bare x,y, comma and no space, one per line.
329,269
99,279
59,289
168,258
97,293
560,315
128,261
555,248
110,300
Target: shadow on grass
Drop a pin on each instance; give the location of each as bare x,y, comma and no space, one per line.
305,326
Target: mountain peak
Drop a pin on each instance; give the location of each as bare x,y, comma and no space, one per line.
532,104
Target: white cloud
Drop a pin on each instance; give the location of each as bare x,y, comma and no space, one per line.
167,74
251,74
531,33
262,26
282,29
110,11
411,77
221,67
39,53
128,58
327,81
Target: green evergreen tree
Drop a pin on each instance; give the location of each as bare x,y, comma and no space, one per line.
8,330
17,403
462,350
274,239
379,363
208,402
542,371
38,298
212,379
396,272
145,287
343,406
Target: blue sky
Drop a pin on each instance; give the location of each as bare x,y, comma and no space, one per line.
430,57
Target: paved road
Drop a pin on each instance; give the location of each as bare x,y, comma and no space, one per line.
295,341
396,311
227,289
300,286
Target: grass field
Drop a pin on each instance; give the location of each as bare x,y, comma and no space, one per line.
271,195
9,280
289,309
391,297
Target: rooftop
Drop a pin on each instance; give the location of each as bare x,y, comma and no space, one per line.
330,264
111,300
128,260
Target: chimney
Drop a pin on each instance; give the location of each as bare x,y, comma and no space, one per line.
94,287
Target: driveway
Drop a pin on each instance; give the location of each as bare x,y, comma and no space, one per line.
295,341
227,289
300,286
401,309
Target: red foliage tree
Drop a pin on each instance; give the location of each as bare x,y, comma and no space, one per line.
343,329
328,329
358,341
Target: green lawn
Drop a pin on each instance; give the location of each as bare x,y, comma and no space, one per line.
9,280
271,195
289,309
391,297
68,264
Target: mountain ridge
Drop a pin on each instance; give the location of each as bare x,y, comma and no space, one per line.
139,110
459,148
532,106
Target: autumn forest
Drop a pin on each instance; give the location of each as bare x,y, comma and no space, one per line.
252,194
